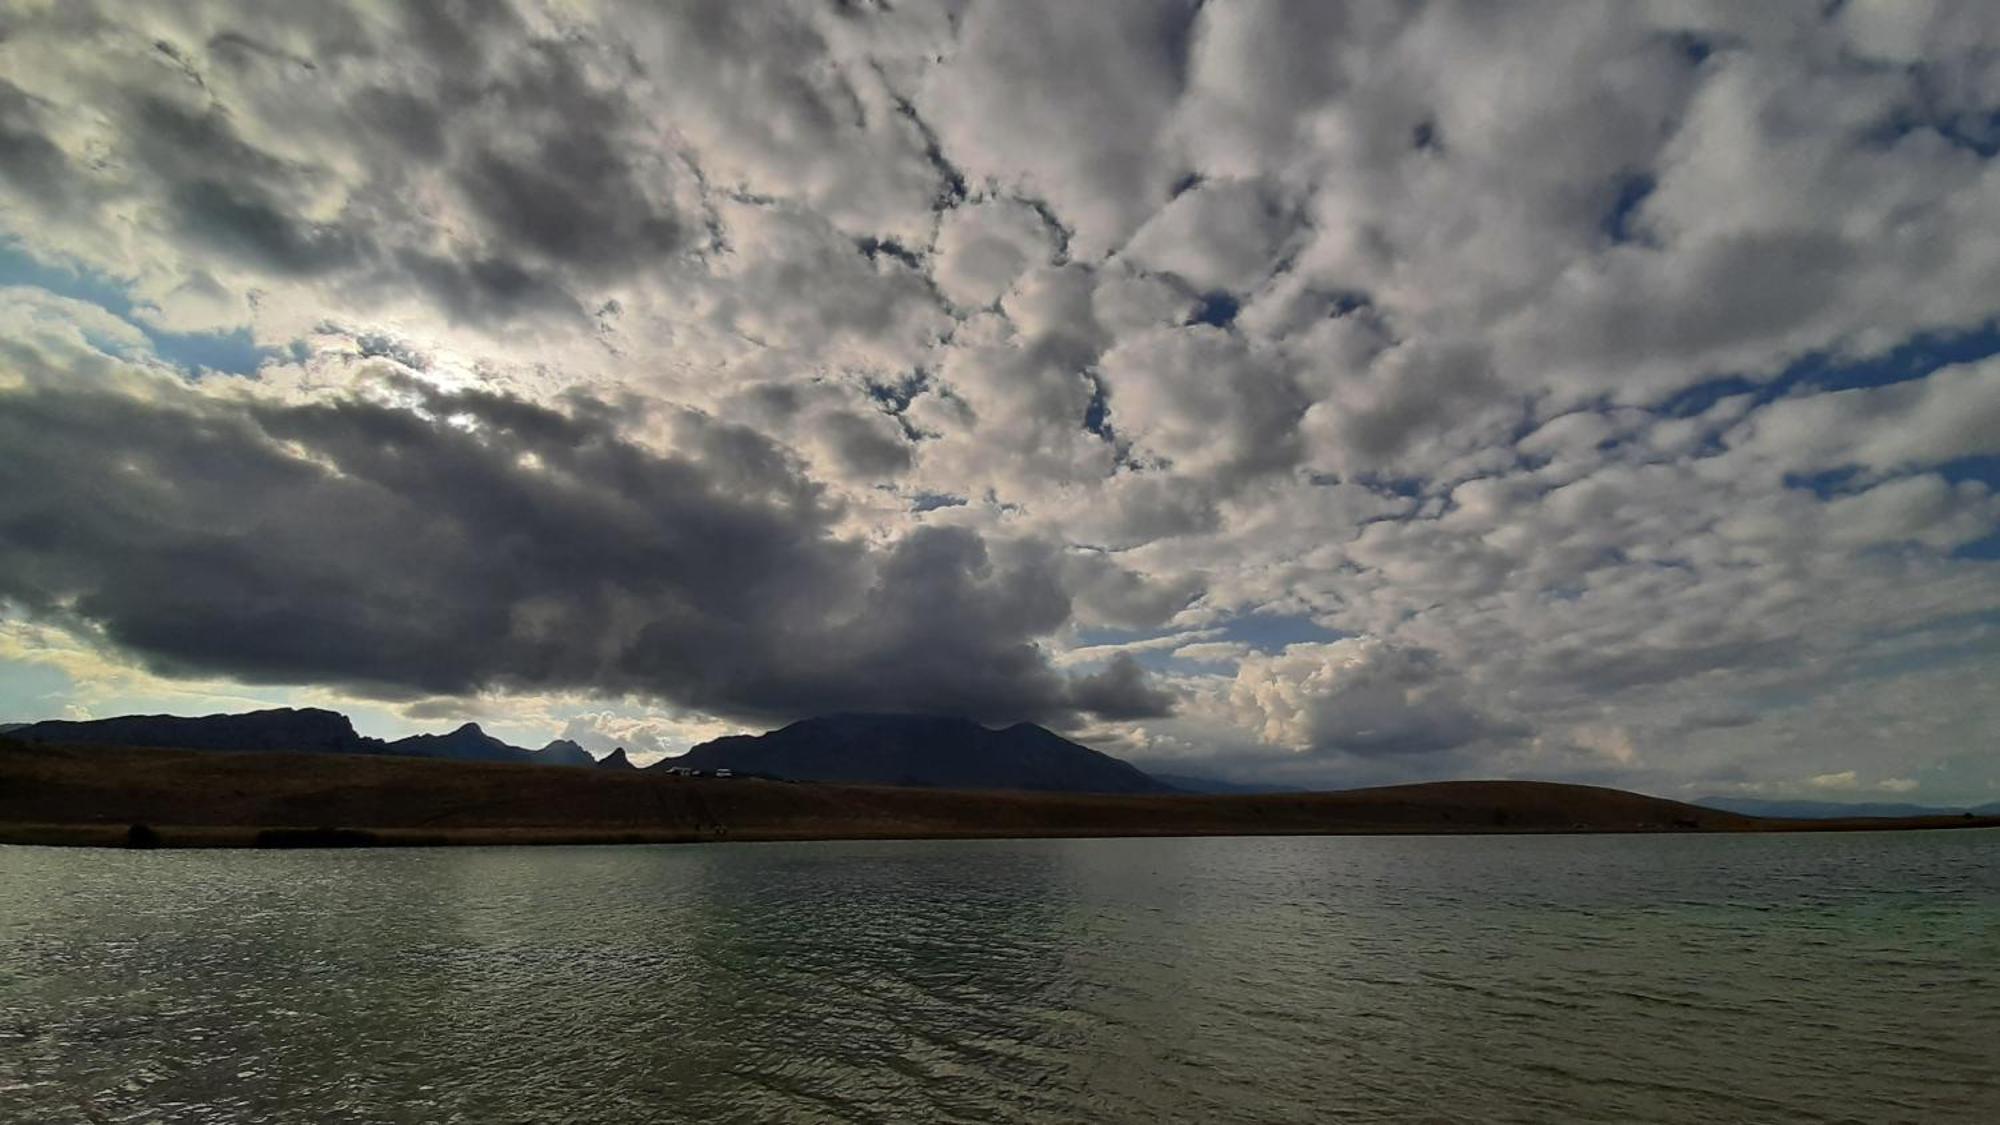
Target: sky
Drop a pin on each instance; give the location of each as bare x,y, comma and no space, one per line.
1314,393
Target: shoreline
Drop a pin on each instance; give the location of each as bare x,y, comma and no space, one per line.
336,837
122,797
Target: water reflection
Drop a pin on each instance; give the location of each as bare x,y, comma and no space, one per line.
1367,979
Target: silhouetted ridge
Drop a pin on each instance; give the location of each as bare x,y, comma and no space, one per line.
1827,810
930,751
466,744
616,760
563,752
1192,783
307,730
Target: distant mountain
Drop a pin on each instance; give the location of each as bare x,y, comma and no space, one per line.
616,760
307,730
913,750
563,752
466,744
1827,810
927,751
1189,783
5,727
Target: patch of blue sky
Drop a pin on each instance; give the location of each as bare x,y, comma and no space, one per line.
30,692
1097,415
1632,190
1985,550
1977,132
233,353
932,501
1846,479
1268,633
1826,483
1274,632
1985,470
1408,488
1152,648
1693,47
1264,632
1818,372
1218,309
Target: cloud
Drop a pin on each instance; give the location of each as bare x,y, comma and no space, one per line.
1121,691
1204,403
1224,235
471,540
1065,104
1360,697
841,433
1952,413
1617,393
1107,593
646,738
983,247
1845,781
1213,652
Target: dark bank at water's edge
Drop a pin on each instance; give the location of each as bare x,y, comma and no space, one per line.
124,797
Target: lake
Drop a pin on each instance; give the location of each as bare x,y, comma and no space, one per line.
1604,978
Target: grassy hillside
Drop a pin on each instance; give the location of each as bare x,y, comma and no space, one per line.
92,795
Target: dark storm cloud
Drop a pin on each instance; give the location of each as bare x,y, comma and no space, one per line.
30,161
480,541
1121,691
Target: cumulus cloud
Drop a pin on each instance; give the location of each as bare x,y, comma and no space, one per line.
1226,235
983,247
1066,104
1203,402
1361,697
645,738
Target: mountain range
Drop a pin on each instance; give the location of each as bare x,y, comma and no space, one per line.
1835,810
921,751
908,750
1189,783
303,730
924,751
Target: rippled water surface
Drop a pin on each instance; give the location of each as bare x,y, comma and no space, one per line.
1785,978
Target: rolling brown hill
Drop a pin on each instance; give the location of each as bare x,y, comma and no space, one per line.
94,795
